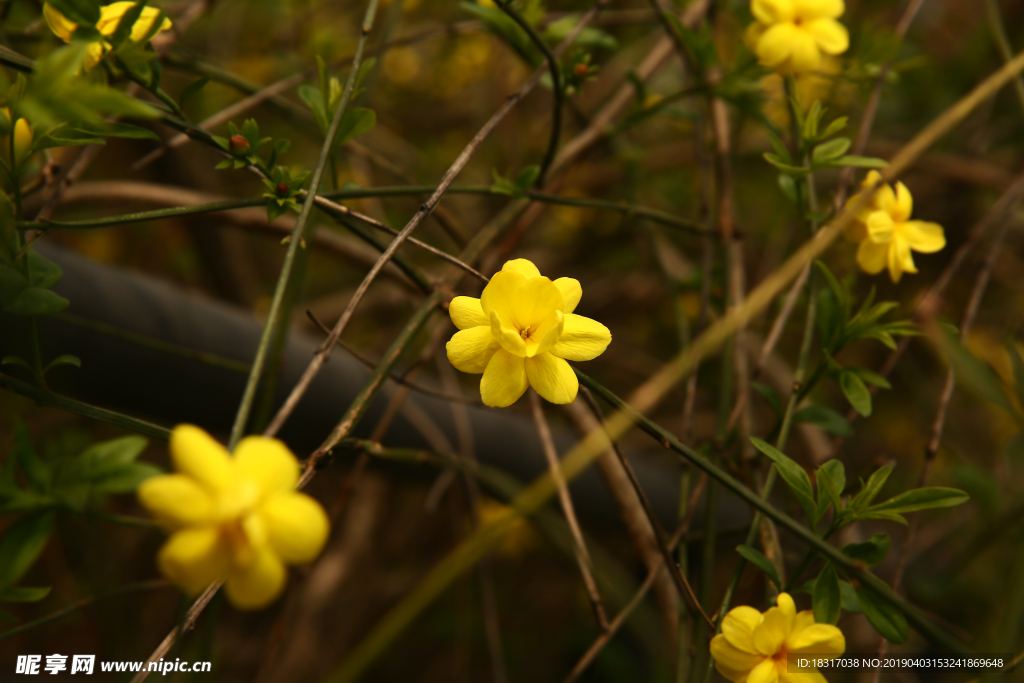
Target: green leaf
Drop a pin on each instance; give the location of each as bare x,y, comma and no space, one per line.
526,178
826,418
976,376
756,558
849,597
24,593
354,123
22,544
921,499
191,90
887,619
810,127
856,392
35,470
66,359
794,476
788,187
116,130
828,151
125,478
834,127
859,162
17,362
114,453
871,552
783,166
827,597
871,377
33,301
42,272
831,477
872,488
590,37
769,395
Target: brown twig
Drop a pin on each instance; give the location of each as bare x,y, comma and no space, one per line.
579,546
603,639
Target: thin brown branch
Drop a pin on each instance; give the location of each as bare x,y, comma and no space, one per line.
579,546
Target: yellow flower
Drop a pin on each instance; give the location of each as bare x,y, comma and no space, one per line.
110,16
886,233
753,647
791,35
520,332
22,140
235,517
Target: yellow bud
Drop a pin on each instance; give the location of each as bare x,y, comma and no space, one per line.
22,140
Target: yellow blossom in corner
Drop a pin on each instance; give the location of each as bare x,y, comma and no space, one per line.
22,140
110,16
520,333
753,647
233,517
794,35
887,235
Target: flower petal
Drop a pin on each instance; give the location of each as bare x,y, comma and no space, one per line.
94,54
268,462
296,526
521,266
806,55
257,584
885,200
145,24
730,661
829,35
466,312
776,45
821,639
924,237
193,558
500,294
772,11
571,293
198,455
534,302
509,339
552,378
546,334
738,627
775,627
765,672
872,257
880,227
61,26
904,205
582,339
177,500
819,9
802,677
504,380
900,259
470,350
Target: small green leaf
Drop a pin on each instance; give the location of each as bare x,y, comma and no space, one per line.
526,178
872,488
921,499
21,544
856,392
831,477
871,552
788,187
191,90
756,558
827,597
794,476
859,162
42,272
35,470
849,597
783,166
828,151
871,377
835,127
17,362
125,478
826,418
354,123
887,619
24,593
66,359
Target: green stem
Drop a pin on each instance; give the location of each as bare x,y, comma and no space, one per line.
298,238
48,398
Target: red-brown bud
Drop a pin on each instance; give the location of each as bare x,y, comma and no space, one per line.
282,188
239,145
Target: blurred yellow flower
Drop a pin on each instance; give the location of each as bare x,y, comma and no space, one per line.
519,539
753,647
886,233
235,517
110,16
22,140
793,35
520,332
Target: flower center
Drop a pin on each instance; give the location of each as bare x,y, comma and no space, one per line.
234,537
525,332
798,21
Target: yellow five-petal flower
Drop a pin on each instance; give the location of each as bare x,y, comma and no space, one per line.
110,16
520,333
233,517
792,35
887,235
753,647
